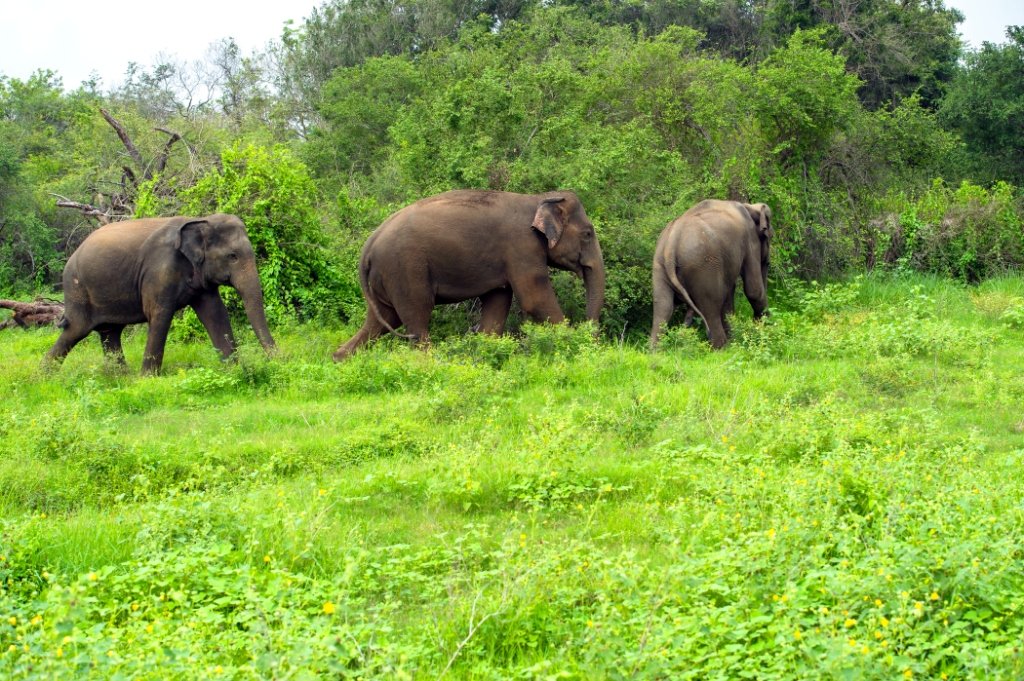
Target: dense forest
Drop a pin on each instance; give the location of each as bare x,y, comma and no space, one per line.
878,140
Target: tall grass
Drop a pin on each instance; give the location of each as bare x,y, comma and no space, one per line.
836,494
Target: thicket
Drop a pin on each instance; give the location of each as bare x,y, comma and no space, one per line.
866,149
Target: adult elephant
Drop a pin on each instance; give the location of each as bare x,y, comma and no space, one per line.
698,258
466,244
146,270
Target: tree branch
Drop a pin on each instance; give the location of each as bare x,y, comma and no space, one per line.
125,139
87,209
161,160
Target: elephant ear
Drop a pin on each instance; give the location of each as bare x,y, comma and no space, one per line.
762,216
549,220
191,241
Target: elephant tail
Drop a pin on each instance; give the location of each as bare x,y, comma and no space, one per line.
371,304
670,269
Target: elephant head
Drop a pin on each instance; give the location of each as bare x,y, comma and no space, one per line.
762,216
573,246
220,252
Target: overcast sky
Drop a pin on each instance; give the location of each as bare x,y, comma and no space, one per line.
77,38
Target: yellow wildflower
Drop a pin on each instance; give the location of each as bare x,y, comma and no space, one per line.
328,608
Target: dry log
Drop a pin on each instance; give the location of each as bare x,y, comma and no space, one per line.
87,209
40,312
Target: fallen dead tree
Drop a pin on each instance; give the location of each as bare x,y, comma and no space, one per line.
40,312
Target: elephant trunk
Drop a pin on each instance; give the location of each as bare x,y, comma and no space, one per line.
247,283
593,281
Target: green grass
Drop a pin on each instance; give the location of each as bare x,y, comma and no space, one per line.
837,494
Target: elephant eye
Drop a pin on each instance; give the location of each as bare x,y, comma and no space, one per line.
233,257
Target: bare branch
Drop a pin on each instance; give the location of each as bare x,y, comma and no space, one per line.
87,209
125,139
161,160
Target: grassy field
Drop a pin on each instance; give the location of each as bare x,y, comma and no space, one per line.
837,494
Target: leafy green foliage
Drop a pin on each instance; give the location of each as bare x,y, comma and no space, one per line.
969,232
985,104
273,194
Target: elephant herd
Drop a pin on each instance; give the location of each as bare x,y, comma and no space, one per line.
447,248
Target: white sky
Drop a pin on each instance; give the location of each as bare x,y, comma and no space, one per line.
78,37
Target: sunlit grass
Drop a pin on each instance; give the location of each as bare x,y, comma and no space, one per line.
592,509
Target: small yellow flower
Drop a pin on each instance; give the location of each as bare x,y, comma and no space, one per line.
934,596
149,628
328,608
908,674
37,619
878,602
797,635
850,622
878,634
42,515
66,640
218,669
320,492
770,533
865,650
266,559
590,624
92,576
60,652
12,620
135,607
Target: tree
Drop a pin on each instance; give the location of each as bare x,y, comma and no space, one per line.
985,105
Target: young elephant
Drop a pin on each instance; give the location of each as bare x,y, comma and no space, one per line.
699,256
146,270
468,244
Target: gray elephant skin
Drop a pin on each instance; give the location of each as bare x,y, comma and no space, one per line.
466,244
146,270
700,255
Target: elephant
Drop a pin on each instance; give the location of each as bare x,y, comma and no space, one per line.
475,243
146,270
698,258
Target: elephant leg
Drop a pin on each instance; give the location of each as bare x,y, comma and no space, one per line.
110,338
70,337
214,315
537,299
156,339
754,289
664,306
371,329
495,306
718,332
730,300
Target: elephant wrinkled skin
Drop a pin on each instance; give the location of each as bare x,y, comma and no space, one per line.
698,258
146,270
472,243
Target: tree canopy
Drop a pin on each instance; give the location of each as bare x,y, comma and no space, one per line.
848,118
